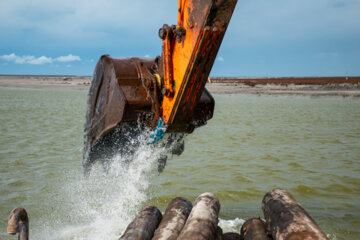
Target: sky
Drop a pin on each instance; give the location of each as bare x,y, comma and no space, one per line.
265,38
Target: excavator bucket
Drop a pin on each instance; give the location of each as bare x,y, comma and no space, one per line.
123,101
128,96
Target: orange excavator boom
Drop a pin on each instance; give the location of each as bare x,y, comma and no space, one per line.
189,51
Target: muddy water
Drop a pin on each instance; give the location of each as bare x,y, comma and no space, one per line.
309,146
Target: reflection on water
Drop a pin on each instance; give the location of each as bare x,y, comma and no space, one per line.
309,146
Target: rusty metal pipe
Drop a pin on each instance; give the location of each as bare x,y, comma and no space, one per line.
231,236
18,222
254,228
173,219
203,219
144,225
287,220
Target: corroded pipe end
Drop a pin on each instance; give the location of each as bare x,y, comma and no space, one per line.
209,199
180,203
18,219
287,219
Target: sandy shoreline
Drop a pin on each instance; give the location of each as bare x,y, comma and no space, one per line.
46,82
83,83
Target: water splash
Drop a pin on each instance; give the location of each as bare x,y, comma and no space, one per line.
101,205
231,225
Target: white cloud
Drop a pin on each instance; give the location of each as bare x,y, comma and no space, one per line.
220,59
68,58
25,59
40,60
17,59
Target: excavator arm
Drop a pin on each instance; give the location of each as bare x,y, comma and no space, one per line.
169,89
188,54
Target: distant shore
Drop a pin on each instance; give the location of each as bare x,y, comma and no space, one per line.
309,86
45,82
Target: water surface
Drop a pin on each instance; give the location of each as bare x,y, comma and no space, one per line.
309,146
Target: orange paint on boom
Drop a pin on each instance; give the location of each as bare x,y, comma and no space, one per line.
194,45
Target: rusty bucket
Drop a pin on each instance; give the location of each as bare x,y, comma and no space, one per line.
124,100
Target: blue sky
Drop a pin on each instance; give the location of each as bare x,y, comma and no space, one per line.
265,37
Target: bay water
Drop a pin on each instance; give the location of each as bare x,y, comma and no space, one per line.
308,146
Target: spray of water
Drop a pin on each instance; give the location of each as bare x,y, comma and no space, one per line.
232,225
101,205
